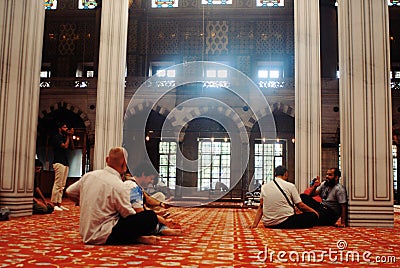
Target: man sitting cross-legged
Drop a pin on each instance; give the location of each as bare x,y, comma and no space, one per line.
143,175
278,203
106,216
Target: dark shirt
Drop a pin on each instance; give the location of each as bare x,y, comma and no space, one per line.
333,197
60,153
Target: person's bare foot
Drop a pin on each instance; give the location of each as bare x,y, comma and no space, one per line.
148,239
171,232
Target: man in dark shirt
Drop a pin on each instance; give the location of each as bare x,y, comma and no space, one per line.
334,199
40,205
62,141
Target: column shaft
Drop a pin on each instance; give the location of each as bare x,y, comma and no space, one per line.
365,111
111,78
21,40
307,92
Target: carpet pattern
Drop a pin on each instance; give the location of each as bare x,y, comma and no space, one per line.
213,237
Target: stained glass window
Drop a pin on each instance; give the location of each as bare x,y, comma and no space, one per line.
216,2
87,4
164,3
50,4
394,3
270,3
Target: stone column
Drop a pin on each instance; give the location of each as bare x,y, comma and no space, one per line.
365,111
307,92
21,40
111,79
329,47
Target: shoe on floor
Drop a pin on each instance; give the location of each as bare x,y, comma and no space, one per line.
57,208
64,208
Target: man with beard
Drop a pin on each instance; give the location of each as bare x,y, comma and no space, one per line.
334,199
62,141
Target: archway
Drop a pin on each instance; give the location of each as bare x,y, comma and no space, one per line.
74,118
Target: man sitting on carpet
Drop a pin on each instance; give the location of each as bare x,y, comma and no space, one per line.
334,199
106,216
159,190
277,205
40,205
144,174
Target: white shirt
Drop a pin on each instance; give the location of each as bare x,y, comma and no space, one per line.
103,198
276,209
135,193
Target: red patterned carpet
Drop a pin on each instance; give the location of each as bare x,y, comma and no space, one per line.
214,237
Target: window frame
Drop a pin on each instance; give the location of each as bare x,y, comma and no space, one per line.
206,180
169,180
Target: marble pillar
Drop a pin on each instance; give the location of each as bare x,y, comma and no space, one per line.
21,41
307,92
365,111
111,79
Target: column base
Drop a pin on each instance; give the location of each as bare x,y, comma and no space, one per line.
371,215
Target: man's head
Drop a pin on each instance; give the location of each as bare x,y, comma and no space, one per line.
281,171
116,159
332,176
144,174
38,166
62,127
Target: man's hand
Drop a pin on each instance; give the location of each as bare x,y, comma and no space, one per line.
340,225
165,205
251,226
317,182
71,131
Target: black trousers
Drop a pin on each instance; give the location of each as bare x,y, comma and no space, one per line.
128,229
327,217
297,221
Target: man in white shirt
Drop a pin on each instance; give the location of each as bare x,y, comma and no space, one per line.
277,205
106,215
144,174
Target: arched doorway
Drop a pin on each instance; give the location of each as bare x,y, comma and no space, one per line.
79,157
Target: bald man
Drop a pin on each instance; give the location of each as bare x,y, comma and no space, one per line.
106,215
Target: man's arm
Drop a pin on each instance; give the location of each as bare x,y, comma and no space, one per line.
314,190
258,215
62,144
39,192
150,201
303,207
71,140
343,215
73,191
